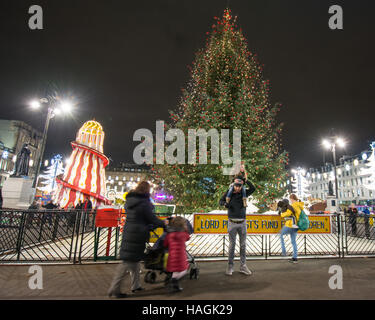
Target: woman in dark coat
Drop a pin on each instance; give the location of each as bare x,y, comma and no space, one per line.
139,220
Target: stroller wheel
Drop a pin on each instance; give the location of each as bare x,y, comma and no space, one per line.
147,277
193,273
167,279
150,277
196,273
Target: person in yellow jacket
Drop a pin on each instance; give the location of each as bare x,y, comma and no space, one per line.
291,215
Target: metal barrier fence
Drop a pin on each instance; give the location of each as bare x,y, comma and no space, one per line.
71,236
358,234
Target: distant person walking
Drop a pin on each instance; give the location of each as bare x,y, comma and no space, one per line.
353,213
48,215
366,216
87,209
140,217
30,215
237,223
79,205
87,204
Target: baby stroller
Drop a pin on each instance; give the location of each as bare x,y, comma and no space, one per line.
156,255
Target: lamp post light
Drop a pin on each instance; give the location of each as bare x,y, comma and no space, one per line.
52,109
331,144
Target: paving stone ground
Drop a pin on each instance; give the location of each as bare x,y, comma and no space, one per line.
272,279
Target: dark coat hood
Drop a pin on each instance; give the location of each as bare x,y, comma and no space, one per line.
133,199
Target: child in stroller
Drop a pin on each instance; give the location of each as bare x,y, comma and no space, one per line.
157,255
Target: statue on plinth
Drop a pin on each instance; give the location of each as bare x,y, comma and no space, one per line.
22,163
330,188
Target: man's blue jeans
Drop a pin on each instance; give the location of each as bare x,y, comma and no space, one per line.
293,234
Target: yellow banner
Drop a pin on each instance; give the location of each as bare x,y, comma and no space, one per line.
157,233
217,223
154,235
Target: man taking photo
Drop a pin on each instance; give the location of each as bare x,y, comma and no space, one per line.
237,223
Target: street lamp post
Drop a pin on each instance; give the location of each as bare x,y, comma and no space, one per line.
52,110
335,170
46,125
331,143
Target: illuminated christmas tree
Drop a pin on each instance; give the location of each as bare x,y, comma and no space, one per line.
227,91
49,176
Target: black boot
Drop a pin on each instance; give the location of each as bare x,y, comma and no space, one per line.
118,295
174,286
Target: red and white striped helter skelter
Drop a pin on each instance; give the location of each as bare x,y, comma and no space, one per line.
84,174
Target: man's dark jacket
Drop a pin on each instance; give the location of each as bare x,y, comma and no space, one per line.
236,210
87,205
139,219
50,206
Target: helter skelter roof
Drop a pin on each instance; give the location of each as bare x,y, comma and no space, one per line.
91,134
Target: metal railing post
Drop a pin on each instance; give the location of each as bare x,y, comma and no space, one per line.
42,221
344,237
55,225
73,232
339,234
223,246
84,223
20,235
264,248
76,231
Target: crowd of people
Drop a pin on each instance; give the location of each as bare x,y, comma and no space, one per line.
85,205
353,214
49,207
141,218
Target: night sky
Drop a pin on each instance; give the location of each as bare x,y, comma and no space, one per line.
124,64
